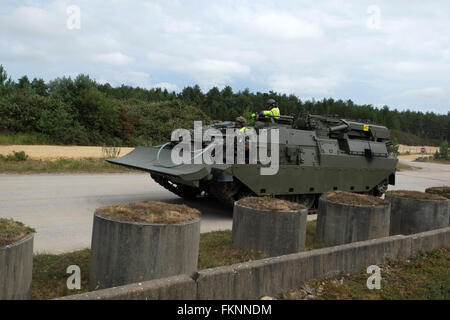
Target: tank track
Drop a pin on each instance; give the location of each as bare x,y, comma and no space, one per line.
228,192
179,189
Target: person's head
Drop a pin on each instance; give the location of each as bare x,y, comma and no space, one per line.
271,103
240,122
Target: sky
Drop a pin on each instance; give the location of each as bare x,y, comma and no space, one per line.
394,53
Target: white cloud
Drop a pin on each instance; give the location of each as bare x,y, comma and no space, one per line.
112,58
181,27
208,72
219,68
133,78
425,93
127,77
305,84
37,21
283,26
321,48
410,67
22,52
166,85
30,19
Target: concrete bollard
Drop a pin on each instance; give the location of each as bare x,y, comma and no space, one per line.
345,217
443,191
275,227
125,252
415,212
16,263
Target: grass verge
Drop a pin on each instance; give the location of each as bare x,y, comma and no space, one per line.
441,161
49,270
426,276
60,165
403,166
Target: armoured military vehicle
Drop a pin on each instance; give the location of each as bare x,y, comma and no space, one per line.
316,154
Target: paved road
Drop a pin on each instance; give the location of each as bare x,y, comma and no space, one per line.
60,206
425,175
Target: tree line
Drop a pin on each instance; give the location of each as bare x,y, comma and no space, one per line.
84,112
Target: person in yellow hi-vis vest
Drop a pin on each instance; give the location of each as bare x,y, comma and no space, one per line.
241,138
240,124
272,112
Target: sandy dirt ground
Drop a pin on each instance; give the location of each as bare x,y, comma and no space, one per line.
417,149
43,152
408,157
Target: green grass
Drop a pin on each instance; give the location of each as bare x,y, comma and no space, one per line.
49,270
50,277
60,165
24,138
426,276
310,242
215,251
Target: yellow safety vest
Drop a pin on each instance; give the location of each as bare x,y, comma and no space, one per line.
275,112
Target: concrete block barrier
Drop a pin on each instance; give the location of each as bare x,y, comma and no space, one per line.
254,279
415,215
271,276
430,240
342,222
443,191
181,287
16,269
272,232
128,252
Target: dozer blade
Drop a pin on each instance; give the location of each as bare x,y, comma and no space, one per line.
146,159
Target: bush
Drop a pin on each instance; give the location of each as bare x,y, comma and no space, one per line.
15,156
393,148
443,150
153,123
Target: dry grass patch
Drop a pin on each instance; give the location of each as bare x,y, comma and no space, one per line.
149,212
268,203
418,195
442,191
61,165
12,231
401,166
354,199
